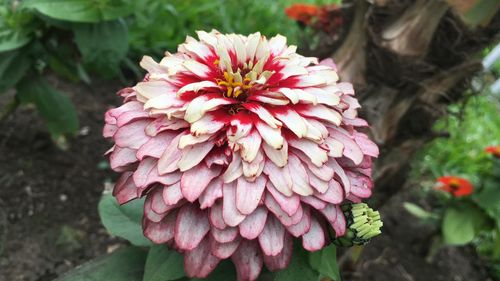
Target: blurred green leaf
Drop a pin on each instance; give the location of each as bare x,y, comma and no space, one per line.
125,264
13,66
325,262
163,264
489,196
13,39
417,211
55,108
103,45
82,10
123,221
461,223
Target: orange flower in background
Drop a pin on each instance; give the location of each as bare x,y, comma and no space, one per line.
457,186
302,12
493,150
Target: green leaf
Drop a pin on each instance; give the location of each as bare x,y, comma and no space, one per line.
417,211
123,221
13,66
82,10
13,39
55,108
125,264
461,223
489,196
103,45
163,264
298,269
325,262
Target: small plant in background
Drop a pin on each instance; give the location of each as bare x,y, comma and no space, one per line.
464,214
68,38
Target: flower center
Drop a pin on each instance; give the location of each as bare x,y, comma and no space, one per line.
235,85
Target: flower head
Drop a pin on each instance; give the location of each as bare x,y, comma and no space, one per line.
456,186
493,150
239,145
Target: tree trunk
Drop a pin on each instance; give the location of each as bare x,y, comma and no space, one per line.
408,60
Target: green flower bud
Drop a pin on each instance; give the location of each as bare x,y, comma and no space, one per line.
363,223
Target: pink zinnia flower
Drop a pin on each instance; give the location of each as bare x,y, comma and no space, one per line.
239,145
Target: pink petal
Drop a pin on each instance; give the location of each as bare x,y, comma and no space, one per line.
132,135
351,149
300,177
315,238
303,225
339,171
168,160
149,213
200,262
248,261
271,238
195,180
281,260
191,226
253,224
194,154
172,194
249,194
289,204
280,177
334,194
275,208
314,202
215,216
340,224
211,193
317,155
155,146
224,250
230,213
125,189
163,231
225,235
121,157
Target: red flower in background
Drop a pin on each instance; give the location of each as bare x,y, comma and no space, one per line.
457,186
303,13
493,150
326,17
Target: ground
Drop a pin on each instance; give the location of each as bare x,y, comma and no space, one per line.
50,200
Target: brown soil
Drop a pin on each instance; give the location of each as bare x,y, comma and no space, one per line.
50,198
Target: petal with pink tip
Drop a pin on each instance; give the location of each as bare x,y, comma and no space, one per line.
225,235
303,225
285,219
230,213
270,135
163,231
300,178
125,189
315,238
132,135
248,261
211,193
224,250
280,177
271,238
249,194
200,262
172,194
281,260
188,237
168,160
195,180
194,154
289,204
155,146
121,157
278,156
253,224
334,194
215,215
